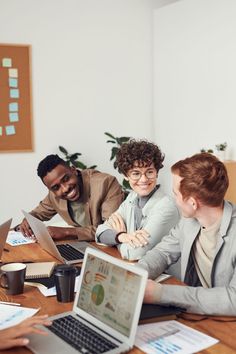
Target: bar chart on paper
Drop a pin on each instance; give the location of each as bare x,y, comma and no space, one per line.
171,337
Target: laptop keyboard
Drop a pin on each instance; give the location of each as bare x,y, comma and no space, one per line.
80,336
69,253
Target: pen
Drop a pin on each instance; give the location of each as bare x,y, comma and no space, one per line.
6,250
9,303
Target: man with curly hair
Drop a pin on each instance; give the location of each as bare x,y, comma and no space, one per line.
147,214
83,199
204,239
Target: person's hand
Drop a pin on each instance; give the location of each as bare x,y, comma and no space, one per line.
26,229
138,238
59,233
16,336
116,222
151,288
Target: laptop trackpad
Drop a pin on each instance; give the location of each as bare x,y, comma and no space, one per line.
48,344
79,245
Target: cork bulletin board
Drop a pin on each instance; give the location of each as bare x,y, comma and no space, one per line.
15,98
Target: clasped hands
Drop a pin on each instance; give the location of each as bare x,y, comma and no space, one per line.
138,238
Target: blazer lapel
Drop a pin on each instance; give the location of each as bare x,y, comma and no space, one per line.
191,235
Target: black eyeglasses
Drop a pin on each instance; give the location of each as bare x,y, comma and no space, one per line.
136,175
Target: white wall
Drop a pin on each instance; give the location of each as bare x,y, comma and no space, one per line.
194,78
91,73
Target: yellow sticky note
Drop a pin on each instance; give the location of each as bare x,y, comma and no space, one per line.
13,72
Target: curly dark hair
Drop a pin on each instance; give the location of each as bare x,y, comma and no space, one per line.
139,152
48,164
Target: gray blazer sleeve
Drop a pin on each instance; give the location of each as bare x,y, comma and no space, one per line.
157,221
165,253
213,301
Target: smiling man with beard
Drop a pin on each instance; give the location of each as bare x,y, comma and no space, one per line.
83,199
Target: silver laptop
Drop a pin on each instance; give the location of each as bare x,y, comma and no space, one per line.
4,229
106,310
69,252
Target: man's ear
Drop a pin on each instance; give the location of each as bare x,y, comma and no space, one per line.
125,177
193,203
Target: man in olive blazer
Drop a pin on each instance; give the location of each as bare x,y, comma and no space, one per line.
84,199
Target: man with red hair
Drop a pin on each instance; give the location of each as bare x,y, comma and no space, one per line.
205,239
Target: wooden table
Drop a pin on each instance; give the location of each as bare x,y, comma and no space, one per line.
221,328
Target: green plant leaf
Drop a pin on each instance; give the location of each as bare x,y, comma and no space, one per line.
111,141
114,151
92,167
110,135
80,165
75,155
126,184
63,150
123,139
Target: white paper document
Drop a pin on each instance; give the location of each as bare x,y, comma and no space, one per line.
171,337
16,238
12,315
51,291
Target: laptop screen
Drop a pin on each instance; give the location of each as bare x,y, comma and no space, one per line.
109,293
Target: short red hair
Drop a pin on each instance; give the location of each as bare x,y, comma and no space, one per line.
203,177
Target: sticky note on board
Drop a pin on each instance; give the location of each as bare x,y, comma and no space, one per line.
14,93
13,72
10,130
7,62
13,117
13,82
0,130
13,107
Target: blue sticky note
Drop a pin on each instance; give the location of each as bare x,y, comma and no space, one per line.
10,130
0,130
13,82
13,117
14,93
6,62
13,107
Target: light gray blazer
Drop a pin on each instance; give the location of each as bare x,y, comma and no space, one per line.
159,215
221,298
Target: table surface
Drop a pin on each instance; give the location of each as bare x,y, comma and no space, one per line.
222,328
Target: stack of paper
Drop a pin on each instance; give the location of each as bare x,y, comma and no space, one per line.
12,315
171,337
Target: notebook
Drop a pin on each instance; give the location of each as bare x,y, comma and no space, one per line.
4,229
39,270
106,308
154,313
69,253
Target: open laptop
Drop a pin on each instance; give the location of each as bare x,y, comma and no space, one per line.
4,229
106,310
69,252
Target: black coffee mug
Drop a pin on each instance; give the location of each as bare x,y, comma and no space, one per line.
64,276
12,277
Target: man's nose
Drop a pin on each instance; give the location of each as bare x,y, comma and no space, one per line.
143,177
64,187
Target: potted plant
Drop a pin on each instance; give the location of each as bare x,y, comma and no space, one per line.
117,142
221,148
72,159
209,151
